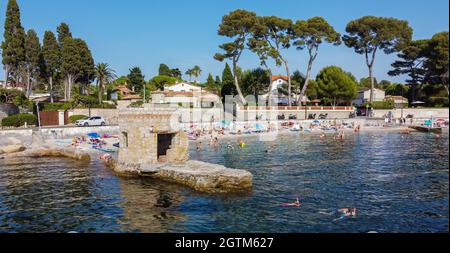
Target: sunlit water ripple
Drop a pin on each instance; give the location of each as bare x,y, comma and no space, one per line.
399,183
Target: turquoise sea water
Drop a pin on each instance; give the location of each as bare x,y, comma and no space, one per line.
398,183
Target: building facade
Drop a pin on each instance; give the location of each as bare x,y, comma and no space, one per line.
364,96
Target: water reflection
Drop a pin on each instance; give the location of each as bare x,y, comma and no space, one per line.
398,183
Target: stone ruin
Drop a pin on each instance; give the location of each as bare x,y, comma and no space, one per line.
150,136
152,145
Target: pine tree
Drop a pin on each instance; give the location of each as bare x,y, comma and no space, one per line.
164,70
13,46
136,80
32,52
51,57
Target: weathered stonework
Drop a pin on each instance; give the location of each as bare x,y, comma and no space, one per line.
151,145
147,137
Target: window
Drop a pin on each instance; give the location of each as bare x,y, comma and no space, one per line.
125,138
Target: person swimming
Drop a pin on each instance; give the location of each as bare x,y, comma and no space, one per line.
348,212
295,204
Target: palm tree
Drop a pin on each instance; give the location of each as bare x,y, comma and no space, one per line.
104,74
190,73
196,71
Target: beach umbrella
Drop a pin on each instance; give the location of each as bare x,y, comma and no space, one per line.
316,122
93,135
418,103
259,127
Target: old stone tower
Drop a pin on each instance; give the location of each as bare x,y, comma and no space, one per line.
150,136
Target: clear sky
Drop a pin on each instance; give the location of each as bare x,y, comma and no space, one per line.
181,33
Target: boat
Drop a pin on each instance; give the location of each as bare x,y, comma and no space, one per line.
427,129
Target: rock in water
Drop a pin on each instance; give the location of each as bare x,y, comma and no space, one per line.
201,176
12,149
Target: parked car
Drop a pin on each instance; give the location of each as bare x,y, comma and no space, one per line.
92,121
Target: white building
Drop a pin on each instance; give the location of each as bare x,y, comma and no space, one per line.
364,96
182,87
277,82
185,94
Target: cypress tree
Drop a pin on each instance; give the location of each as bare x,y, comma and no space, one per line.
51,58
210,83
228,87
63,31
13,46
87,67
32,52
71,64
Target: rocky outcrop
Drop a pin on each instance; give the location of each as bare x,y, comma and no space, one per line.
201,176
60,152
12,149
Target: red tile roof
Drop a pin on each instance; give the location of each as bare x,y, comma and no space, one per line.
274,78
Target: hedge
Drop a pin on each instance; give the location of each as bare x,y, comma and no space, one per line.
19,120
53,107
74,118
136,104
387,105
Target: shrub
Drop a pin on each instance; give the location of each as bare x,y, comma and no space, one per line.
387,105
439,102
53,107
19,120
136,104
74,118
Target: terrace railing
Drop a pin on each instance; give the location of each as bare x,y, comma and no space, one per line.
296,108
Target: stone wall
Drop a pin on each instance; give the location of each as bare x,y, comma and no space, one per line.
111,116
421,113
139,129
8,110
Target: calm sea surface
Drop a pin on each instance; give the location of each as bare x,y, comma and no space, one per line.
398,183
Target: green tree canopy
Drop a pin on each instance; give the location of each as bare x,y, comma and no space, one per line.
411,63
396,89
51,58
437,59
76,63
136,80
32,54
228,87
211,85
164,70
63,31
104,75
237,25
335,86
310,34
271,35
255,82
160,81
369,34
13,45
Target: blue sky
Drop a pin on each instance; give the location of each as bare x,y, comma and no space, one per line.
180,33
